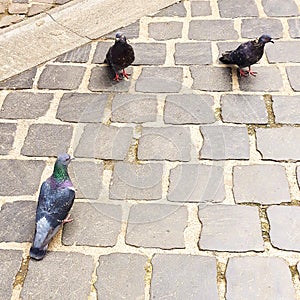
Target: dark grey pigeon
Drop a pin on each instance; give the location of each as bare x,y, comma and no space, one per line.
120,56
55,201
246,54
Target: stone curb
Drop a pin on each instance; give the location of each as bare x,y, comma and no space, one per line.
61,29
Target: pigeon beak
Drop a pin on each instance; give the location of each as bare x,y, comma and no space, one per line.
271,41
72,158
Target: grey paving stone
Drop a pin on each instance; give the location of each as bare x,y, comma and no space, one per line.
293,73
269,184
274,8
193,53
224,142
10,261
284,224
200,8
175,10
38,8
24,105
7,133
284,52
230,228
294,28
196,183
278,143
47,140
164,225
136,181
100,52
268,79
74,278
82,107
286,109
209,78
134,108
254,28
87,178
160,80
132,31
162,31
17,221
189,109
102,80
23,80
104,142
177,276
167,143
60,77
237,108
22,177
233,9
149,53
95,224
120,276
212,30
78,55
258,278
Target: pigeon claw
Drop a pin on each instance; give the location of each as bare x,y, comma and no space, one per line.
252,73
67,219
117,77
125,74
243,73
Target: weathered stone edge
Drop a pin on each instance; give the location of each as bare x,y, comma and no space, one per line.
64,28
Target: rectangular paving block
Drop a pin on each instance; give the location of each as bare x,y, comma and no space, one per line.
284,52
162,31
61,77
196,183
230,228
212,30
210,78
134,108
189,109
101,50
255,27
136,181
21,81
268,79
176,9
269,184
104,142
17,221
10,261
273,8
294,28
22,177
284,224
293,73
25,105
200,8
258,278
86,176
121,276
243,109
193,53
7,133
132,31
177,277
47,140
233,8
159,80
224,142
164,225
77,55
95,224
278,143
286,109
101,80
165,143
149,53
82,107
48,279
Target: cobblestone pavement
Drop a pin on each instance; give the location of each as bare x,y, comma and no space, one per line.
187,176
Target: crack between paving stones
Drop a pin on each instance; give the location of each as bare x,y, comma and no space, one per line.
21,275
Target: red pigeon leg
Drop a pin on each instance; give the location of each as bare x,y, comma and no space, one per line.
252,72
243,73
125,74
67,219
117,77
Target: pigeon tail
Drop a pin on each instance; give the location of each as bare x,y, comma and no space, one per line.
226,58
37,253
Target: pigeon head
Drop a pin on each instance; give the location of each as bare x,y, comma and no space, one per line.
64,159
265,38
120,37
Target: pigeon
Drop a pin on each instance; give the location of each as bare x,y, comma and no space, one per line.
120,56
246,54
54,203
